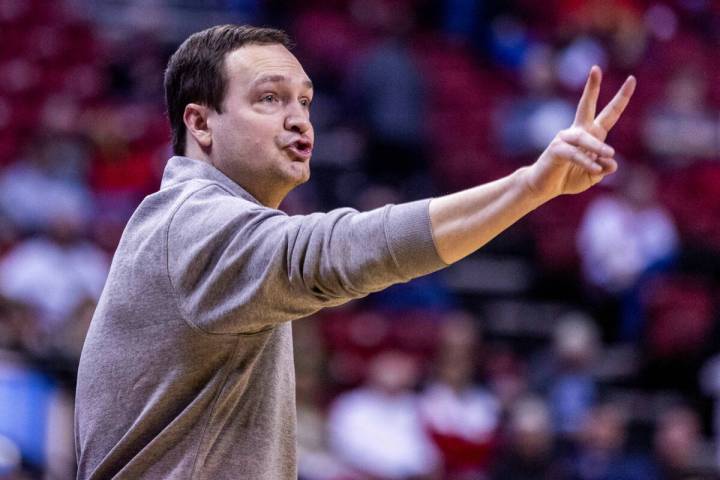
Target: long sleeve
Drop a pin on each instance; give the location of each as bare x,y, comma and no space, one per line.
237,267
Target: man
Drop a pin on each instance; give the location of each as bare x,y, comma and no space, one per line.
187,369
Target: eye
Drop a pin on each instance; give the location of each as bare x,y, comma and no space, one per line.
305,102
269,98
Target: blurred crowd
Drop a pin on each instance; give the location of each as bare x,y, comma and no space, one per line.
580,344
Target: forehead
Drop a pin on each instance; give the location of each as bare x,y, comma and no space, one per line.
249,63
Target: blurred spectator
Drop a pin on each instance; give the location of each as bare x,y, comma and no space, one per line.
509,41
681,124
377,428
54,273
677,444
18,327
45,184
529,454
37,417
315,459
577,58
599,453
67,343
566,374
389,92
529,122
130,148
626,233
461,416
625,237
127,144
507,376
35,414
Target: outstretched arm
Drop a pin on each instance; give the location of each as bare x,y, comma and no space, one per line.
575,160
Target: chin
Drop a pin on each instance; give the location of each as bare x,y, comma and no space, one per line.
300,174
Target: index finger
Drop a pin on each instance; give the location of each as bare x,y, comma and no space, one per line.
613,110
586,107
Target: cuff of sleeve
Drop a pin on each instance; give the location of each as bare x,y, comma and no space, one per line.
410,239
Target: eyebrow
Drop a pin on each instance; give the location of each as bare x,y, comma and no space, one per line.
278,78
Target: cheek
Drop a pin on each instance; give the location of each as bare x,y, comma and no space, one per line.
236,135
247,133
260,131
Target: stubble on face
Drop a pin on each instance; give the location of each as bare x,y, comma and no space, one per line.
265,110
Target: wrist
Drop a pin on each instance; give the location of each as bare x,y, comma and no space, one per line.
526,178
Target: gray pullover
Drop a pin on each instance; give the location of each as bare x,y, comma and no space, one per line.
187,370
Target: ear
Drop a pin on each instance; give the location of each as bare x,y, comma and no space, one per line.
195,117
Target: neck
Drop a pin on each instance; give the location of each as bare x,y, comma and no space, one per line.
267,199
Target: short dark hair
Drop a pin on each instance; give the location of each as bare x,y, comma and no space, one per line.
195,72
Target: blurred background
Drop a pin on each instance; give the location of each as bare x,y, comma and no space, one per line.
580,344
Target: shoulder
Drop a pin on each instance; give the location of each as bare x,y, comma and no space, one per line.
207,201
202,190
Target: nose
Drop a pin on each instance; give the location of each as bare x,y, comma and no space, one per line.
298,120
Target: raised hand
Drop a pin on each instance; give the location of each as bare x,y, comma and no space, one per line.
578,158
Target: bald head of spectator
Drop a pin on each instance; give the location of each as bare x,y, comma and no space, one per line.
459,346
604,428
393,372
677,438
530,425
576,341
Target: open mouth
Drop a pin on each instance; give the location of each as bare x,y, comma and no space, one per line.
300,149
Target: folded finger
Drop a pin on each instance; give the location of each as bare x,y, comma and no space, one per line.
583,139
577,156
609,165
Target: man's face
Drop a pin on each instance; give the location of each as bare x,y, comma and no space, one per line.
263,139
